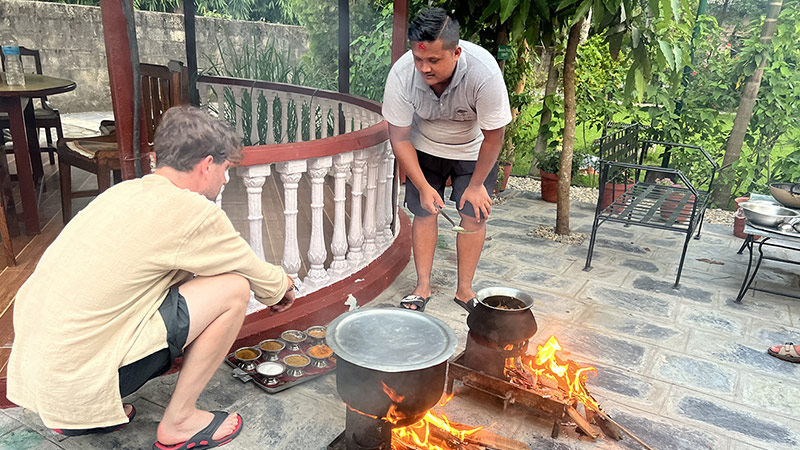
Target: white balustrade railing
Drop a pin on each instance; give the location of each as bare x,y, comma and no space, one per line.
364,227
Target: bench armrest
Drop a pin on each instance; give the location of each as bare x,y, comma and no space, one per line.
669,170
670,145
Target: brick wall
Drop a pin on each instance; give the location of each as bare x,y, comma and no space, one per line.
70,39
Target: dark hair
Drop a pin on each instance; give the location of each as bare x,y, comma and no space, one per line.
188,134
432,24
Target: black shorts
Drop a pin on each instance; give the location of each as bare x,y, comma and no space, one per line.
175,313
436,171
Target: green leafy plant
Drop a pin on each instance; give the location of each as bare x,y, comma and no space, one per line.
550,161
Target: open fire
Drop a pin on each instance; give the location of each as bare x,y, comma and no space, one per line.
546,370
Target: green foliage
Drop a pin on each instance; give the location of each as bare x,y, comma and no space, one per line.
550,161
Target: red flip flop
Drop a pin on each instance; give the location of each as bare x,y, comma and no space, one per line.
786,353
203,438
109,429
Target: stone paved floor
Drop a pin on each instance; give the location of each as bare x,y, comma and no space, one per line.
683,369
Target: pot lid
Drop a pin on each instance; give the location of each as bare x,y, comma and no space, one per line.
391,339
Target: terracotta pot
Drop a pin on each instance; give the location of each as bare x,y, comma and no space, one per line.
500,186
612,191
672,201
549,186
738,220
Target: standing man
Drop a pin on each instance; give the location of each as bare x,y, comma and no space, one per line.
447,106
151,270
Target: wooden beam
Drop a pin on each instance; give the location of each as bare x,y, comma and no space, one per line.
344,46
191,49
399,29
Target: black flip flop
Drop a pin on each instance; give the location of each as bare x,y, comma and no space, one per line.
786,353
112,428
203,439
419,302
468,305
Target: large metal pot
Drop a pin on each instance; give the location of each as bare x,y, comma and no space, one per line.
786,193
503,316
391,359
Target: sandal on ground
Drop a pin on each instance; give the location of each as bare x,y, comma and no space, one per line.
99,430
786,353
417,301
469,305
203,438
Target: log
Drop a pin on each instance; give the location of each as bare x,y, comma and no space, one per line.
583,424
485,438
609,428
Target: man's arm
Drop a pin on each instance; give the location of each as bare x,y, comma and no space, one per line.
476,193
406,155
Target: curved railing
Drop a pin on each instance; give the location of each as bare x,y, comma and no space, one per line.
328,138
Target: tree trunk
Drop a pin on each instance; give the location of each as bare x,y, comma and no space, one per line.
548,61
520,86
722,194
565,170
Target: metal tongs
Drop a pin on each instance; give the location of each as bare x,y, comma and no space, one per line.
457,228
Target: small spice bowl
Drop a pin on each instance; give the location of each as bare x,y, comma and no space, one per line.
319,354
271,371
316,334
271,347
293,339
247,356
295,364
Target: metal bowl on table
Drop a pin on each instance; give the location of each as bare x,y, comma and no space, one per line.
768,215
786,193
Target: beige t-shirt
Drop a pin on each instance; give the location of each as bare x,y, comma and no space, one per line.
449,126
91,305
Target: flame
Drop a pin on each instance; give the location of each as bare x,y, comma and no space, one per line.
419,434
546,368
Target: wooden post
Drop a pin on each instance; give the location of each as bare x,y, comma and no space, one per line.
399,29
191,49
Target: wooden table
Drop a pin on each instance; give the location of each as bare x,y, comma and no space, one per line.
16,101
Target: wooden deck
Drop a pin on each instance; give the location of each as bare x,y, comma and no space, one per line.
30,248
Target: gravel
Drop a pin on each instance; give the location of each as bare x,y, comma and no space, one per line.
589,195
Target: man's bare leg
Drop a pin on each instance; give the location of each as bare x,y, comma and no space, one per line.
468,247
217,308
424,234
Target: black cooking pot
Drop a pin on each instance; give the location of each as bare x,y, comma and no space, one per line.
391,358
414,392
502,316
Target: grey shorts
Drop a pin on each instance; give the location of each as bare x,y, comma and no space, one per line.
175,314
436,171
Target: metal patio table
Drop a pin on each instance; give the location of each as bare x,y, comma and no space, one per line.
769,238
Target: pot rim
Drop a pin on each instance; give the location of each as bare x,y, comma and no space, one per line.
507,291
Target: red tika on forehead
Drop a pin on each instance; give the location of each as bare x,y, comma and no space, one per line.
421,46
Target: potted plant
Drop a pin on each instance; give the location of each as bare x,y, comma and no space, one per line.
672,201
505,160
615,187
549,162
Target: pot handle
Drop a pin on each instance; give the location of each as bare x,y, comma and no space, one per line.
794,188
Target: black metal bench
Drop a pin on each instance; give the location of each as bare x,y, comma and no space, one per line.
647,203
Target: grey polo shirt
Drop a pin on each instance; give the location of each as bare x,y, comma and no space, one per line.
449,126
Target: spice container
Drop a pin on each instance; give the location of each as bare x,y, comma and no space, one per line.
271,371
246,357
293,339
319,355
296,364
271,347
316,334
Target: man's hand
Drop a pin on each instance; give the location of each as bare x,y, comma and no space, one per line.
429,198
286,302
480,200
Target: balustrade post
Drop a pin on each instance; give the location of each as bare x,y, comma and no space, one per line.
254,177
380,198
388,200
355,237
341,165
317,253
284,102
291,172
298,108
370,249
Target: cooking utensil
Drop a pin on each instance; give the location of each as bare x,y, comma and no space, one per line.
767,215
457,228
503,315
788,194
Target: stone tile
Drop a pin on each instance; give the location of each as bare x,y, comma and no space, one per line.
622,246
7,423
563,285
768,333
610,380
733,351
506,224
738,445
606,272
712,320
632,325
27,439
605,230
777,396
695,373
757,309
660,432
596,346
734,420
490,267
639,265
535,256
627,301
684,291
563,308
